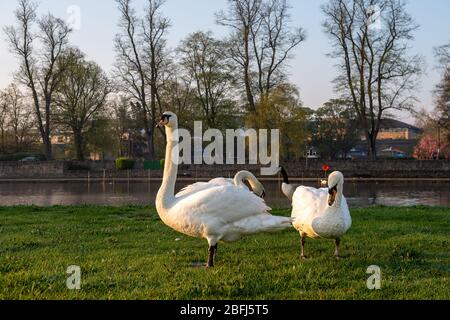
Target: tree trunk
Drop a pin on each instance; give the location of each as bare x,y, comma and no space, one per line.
3,140
372,141
78,140
151,144
16,139
3,149
248,89
247,79
47,147
151,132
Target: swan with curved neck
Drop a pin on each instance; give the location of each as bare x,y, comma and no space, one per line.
238,181
256,186
322,213
216,213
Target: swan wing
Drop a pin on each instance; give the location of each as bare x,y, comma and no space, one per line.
346,214
221,182
308,203
200,186
333,222
307,200
226,182
227,204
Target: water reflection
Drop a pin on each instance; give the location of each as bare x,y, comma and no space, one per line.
133,193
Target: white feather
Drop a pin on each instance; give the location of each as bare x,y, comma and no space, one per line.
200,186
314,218
218,210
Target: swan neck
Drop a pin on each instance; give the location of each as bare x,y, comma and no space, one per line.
166,194
245,176
340,193
285,176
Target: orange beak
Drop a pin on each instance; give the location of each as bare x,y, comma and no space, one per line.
162,123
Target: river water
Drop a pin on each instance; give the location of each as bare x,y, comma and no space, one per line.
134,193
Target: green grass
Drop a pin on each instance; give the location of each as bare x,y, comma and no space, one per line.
127,253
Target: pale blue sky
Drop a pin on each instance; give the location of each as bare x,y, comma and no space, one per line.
311,69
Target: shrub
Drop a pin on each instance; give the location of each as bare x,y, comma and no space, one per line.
124,164
152,165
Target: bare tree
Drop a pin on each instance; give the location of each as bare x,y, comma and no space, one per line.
242,17
140,53
38,69
371,42
261,43
273,42
80,96
155,27
204,61
443,55
118,106
4,106
178,94
16,115
443,88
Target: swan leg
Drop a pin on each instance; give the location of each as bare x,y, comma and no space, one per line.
303,241
212,254
338,243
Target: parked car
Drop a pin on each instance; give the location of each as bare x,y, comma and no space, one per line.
393,153
29,159
399,155
357,154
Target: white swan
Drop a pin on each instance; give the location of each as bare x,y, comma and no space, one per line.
322,213
218,213
287,188
238,181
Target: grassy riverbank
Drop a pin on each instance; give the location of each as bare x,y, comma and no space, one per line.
127,253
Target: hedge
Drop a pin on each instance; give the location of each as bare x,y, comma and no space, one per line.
124,164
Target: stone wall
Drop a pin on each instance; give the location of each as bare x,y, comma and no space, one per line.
53,169
383,168
303,169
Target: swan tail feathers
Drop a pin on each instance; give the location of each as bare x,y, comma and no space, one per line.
264,223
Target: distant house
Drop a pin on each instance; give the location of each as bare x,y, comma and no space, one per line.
392,129
312,153
396,139
61,139
62,142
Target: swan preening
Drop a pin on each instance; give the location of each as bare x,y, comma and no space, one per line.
322,213
238,181
217,212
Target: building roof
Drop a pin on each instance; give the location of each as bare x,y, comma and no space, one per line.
396,124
